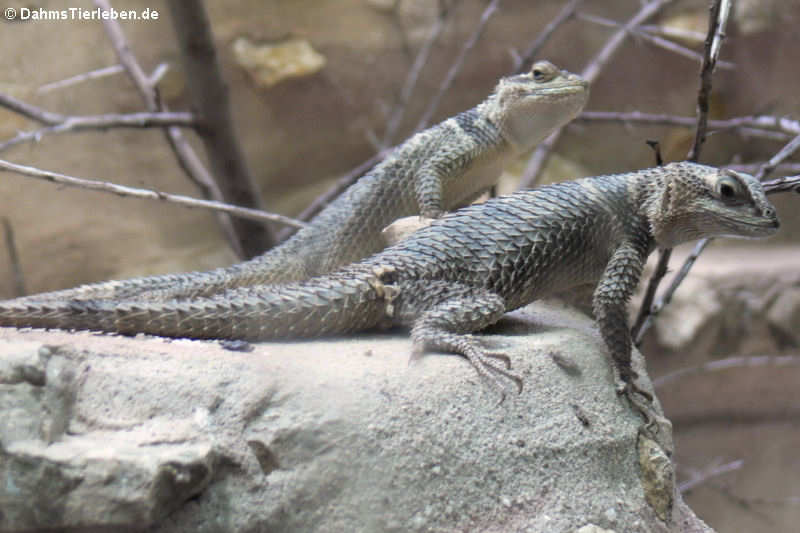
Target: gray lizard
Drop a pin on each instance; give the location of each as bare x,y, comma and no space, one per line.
439,169
465,270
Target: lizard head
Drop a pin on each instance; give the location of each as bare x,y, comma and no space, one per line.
696,201
528,107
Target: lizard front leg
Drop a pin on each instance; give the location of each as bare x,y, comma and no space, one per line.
446,326
609,303
428,190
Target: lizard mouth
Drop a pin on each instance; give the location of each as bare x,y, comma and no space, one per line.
571,87
763,226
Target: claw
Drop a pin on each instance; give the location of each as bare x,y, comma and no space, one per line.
500,356
480,361
630,390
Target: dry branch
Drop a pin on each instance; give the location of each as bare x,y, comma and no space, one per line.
123,190
80,78
716,33
13,259
102,122
188,160
702,477
666,44
209,96
761,125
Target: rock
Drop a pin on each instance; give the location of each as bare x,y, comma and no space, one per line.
338,435
734,301
97,481
268,64
784,316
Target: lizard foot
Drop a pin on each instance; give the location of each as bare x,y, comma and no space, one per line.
487,369
483,363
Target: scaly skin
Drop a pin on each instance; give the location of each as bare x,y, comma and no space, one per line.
465,270
439,169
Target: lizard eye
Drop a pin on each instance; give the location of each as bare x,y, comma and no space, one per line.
729,188
543,71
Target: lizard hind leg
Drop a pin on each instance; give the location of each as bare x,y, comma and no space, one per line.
447,326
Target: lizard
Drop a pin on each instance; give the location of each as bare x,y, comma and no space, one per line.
464,271
436,170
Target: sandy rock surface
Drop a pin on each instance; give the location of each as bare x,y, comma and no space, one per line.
104,432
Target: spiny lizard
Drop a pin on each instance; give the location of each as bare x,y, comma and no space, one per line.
441,168
465,270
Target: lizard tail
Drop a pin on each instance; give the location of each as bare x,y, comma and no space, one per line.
326,305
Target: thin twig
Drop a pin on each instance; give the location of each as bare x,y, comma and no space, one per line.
80,78
13,259
186,156
752,168
104,122
666,44
785,184
644,320
717,21
455,68
750,123
648,311
727,363
563,16
784,153
396,117
123,190
32,112
590,74
702,477
674,31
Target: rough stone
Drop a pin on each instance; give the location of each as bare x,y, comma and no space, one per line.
734,301
784,316
268,64
97,481
338,435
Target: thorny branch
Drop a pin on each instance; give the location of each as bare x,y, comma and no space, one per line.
122,190
717,21
590,74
